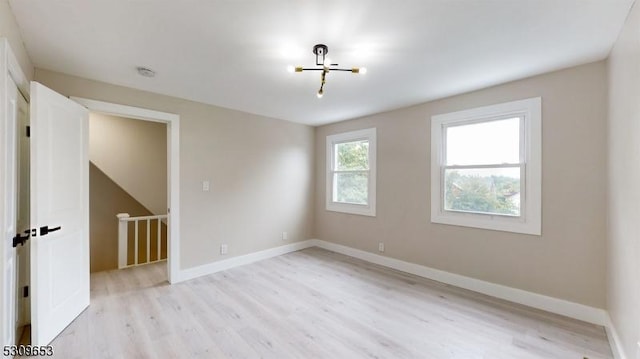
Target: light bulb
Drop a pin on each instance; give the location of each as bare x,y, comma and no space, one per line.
320,94
327,62
291,68
363,70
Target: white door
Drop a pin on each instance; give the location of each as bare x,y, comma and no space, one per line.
59,212
9,217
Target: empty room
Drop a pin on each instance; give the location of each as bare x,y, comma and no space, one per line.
320,179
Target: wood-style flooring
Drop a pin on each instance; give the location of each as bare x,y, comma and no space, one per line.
313,304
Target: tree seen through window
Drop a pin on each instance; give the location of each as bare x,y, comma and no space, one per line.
483,191
351,177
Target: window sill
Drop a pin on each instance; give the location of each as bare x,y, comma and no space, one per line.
496,223
357,209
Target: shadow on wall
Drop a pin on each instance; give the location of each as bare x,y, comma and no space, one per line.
107,200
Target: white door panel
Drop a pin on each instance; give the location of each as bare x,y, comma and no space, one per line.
9,218
59,198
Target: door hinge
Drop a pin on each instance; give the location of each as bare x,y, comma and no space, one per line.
25,291
28,131
20,240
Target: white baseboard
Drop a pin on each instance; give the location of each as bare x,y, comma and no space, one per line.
539,301
614,339
190,273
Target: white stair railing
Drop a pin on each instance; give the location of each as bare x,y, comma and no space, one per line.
123,238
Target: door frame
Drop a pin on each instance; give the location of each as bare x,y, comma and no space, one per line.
9,67
173,168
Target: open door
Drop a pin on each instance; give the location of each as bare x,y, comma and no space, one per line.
59,212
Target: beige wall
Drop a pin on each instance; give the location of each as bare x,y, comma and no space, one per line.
9,29
623,289
260,171
566,262
107,200
133,154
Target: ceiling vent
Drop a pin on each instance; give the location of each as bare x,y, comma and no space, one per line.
145,71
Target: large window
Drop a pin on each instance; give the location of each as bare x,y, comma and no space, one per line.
485,167
351,172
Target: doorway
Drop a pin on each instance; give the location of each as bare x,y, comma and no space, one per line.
23,223
127,187
172,122
14,98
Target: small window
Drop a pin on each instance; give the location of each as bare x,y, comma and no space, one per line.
351,172
485,169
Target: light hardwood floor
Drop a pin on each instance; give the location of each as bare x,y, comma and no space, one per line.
312,304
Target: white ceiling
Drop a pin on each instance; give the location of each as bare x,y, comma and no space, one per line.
234,53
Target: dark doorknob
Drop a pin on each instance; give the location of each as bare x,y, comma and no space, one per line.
44,230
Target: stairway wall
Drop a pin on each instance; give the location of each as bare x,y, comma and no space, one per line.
107,200
133,154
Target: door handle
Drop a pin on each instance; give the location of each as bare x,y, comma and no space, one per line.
44,230
18,239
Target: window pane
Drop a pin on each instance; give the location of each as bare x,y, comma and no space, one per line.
352,155
493,142
486,190
351,187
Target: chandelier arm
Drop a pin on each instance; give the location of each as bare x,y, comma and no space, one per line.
323,80
323,69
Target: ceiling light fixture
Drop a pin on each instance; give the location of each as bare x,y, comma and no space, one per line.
326,66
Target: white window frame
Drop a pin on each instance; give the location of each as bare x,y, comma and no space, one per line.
360,209
530,219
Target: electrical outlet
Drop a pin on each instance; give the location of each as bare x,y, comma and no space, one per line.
380,247
224,248
285,236
206,185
